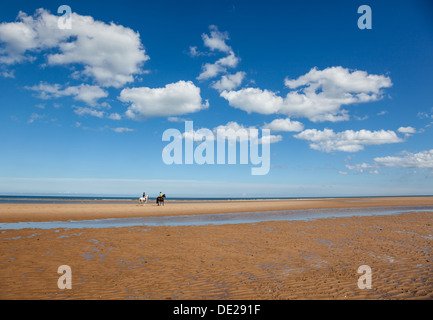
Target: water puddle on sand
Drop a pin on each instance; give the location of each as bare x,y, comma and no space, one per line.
216,219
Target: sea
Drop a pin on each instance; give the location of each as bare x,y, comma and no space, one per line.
111,199
55,199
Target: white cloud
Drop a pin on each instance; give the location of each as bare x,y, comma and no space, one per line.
115,116
340,80
407,131
420,160
211,70
193,52
423,159
8,74
318,95
230,81
109,53
270,139
361,118
425,115
35,117
176,119
84,92
285,125
198,135
122,130
346,141
174,99
216,40
232,131
359,167
230,61
237,132
82,111
254,100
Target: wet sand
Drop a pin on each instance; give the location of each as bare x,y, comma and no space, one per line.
315,259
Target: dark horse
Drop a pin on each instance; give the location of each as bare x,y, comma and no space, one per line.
160,200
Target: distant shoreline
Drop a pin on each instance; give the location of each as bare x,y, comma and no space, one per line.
63,210
126,199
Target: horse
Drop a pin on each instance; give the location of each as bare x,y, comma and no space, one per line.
143,199
160,200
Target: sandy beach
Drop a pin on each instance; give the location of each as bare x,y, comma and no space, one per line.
103,210
316,259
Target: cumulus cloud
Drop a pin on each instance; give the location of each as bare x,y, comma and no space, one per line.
199,135
174,99
270,139
211,70
83,111
340,80
109,53
115,116
193,52
233,132
285,125
216,42
346,141
84,92
423,159
254,100
230,61
230,81
420,160
318,95
407,131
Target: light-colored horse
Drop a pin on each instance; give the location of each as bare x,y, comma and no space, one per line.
143,199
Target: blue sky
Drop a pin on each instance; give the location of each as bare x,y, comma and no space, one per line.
83,110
